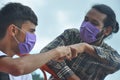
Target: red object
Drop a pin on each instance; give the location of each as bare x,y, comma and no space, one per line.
47,69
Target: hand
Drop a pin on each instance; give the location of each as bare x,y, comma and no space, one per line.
80,47
65,52
84,47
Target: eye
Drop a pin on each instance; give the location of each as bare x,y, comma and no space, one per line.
95,23
86,19
32,31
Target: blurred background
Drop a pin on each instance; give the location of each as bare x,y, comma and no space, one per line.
57,15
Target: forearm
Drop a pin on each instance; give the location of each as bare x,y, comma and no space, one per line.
32,62
62,71
73,77
82,48
26,64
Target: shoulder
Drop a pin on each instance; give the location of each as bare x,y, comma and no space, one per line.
73,35
72,30
106,46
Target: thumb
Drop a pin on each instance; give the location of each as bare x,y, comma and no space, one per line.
74,52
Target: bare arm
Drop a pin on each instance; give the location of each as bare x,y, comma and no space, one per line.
27,64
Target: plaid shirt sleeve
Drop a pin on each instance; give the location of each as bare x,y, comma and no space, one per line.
110,55
61,69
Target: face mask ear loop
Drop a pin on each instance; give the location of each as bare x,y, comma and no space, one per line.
16,39
21,30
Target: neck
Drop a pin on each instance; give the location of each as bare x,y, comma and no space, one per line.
5,46
98,42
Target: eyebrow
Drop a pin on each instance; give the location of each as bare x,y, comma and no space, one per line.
95,21
92,20
32,30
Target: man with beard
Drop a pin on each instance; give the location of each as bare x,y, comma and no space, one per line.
96,59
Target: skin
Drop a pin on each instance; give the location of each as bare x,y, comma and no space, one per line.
26,64
97,19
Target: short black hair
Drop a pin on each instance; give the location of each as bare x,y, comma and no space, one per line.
15,13
111,17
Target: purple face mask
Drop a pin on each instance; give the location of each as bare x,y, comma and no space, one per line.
88,32
28,45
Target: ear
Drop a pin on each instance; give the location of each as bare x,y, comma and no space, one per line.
12,30
107,30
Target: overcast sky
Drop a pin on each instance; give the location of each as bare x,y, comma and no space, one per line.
57,15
